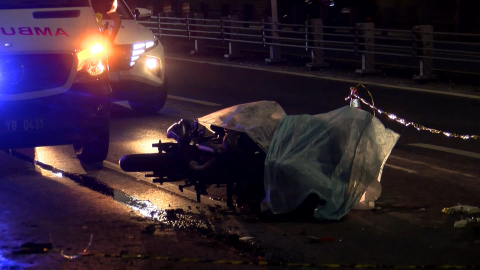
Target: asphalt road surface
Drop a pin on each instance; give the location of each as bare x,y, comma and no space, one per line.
407,228
50,222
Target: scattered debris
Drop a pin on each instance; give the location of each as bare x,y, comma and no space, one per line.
466,209
314,239
246,238
72,257
464,221
461,223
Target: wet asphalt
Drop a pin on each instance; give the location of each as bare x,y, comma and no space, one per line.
51,219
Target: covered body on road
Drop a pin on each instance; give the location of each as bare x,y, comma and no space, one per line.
338,156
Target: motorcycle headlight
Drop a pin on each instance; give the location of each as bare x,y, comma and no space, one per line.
92,60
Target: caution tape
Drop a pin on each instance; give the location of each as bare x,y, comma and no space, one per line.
354,96
260,262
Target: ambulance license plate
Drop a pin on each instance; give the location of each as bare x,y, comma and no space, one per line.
22,125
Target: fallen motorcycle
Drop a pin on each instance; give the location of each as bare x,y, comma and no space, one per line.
202,158
276,161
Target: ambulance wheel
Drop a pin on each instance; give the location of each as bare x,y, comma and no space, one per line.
93,151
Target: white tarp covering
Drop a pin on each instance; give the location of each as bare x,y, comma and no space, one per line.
258,119
338,155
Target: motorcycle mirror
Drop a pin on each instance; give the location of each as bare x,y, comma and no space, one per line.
180,131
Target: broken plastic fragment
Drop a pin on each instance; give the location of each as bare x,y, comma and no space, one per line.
466,209
72,257
364,205
460,224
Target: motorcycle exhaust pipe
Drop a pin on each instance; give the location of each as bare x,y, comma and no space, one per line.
158,162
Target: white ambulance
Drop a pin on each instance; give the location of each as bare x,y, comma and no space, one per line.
55,77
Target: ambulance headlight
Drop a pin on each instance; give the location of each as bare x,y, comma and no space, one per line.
92,60
141,48
150,44
154,65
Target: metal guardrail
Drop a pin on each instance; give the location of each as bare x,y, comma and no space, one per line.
421,43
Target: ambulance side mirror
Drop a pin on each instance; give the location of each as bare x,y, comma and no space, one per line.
142,14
